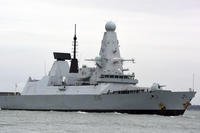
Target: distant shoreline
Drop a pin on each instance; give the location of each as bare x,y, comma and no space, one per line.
194,107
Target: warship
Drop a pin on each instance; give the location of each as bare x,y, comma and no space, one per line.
103,88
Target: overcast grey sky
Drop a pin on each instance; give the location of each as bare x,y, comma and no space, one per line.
162,36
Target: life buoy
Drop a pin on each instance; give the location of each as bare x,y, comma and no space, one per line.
162,106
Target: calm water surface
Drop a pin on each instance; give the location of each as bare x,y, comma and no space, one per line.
75,122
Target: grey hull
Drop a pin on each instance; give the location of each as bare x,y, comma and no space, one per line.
136,103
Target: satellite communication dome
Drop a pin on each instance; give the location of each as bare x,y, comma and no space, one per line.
110,26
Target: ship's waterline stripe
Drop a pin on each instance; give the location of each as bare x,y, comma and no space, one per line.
158,112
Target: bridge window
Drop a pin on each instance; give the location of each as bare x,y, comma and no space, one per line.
111,76
106,76
125,77
121,77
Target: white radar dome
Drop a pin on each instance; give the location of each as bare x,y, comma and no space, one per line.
110,26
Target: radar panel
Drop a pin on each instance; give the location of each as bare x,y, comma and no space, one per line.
61,56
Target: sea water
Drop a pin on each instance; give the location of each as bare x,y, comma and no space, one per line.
82,122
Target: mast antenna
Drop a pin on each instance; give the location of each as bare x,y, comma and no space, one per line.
193,81
75,38
74,61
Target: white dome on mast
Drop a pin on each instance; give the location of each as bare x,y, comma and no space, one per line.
110,26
